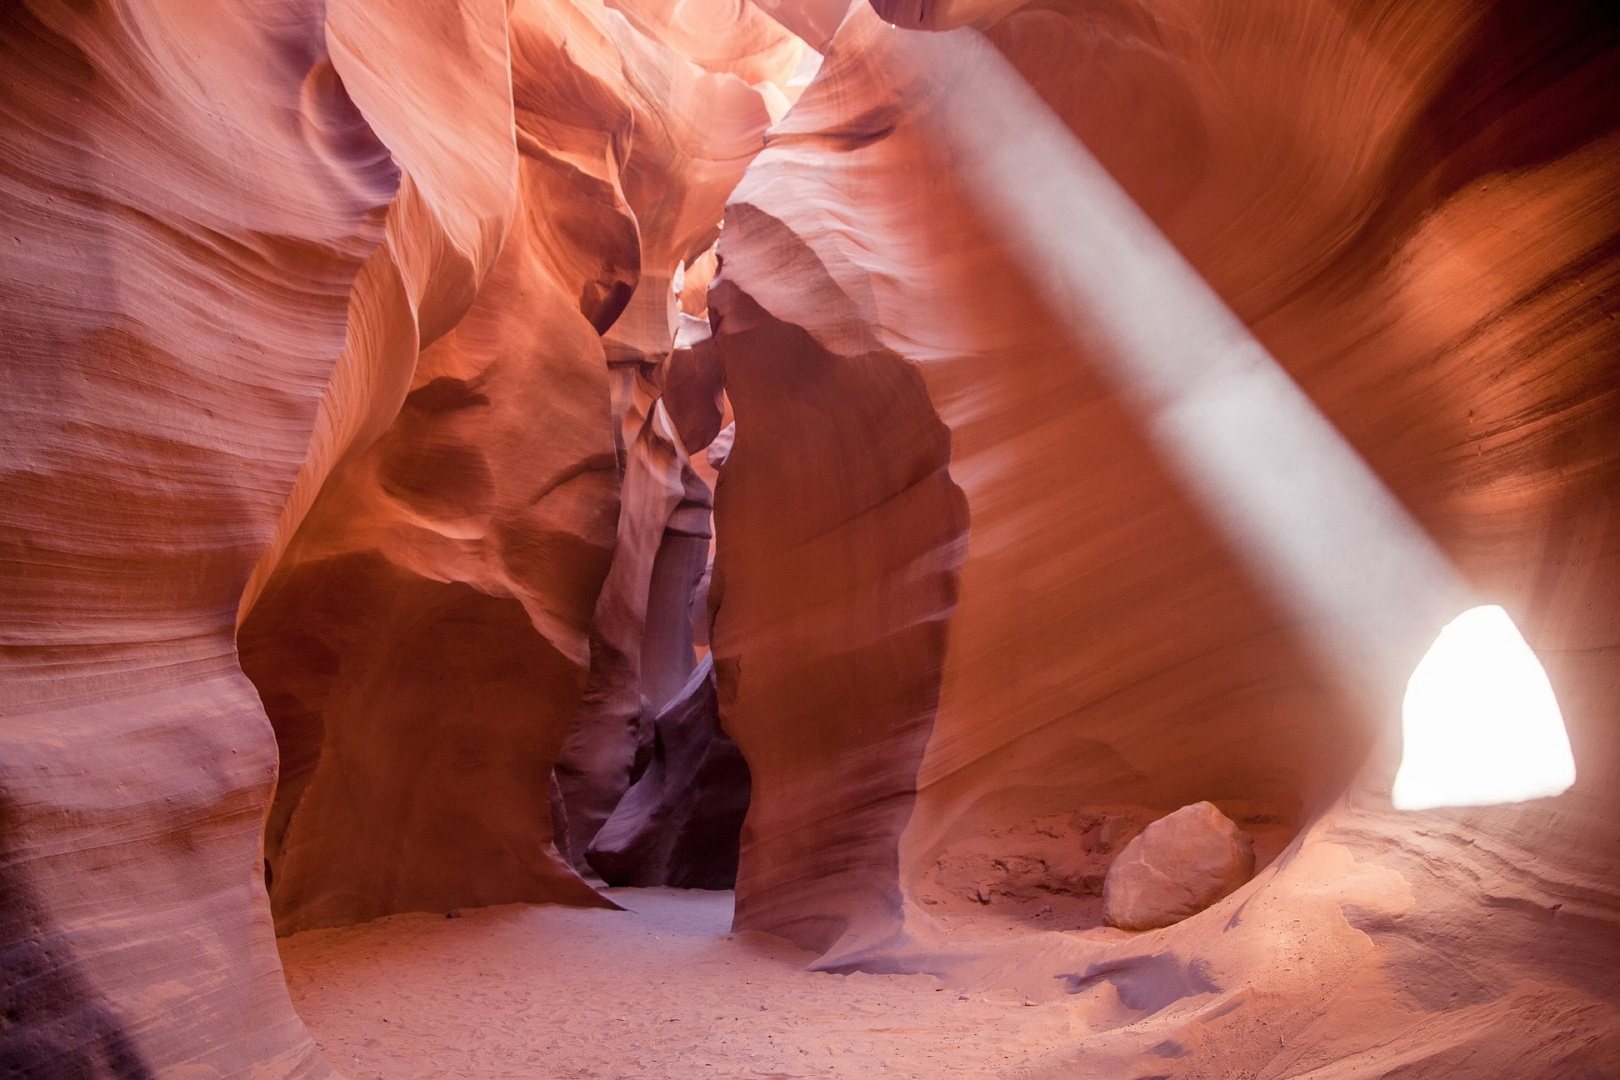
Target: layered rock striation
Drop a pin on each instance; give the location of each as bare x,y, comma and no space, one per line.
694,126
1412,216
188,204
473,582
306,305
433,604
678,823
362,426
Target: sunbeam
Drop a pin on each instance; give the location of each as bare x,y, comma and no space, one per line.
1314,524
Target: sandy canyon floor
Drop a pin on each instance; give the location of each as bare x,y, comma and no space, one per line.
661,989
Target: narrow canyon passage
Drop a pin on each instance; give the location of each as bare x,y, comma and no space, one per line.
1037,539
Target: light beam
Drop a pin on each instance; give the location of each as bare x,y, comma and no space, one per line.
1314,524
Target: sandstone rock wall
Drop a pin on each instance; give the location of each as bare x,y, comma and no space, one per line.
305,305
1414,213
703,82
678,823
433,604
188,202
459,573
339,335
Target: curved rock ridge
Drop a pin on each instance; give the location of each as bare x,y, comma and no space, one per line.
1442,298
433,603
188,204
448,127
390,422
678,823
695,124
829,627
306,304
455,578
720,36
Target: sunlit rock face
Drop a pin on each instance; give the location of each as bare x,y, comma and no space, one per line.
1412,208
459,575
433,605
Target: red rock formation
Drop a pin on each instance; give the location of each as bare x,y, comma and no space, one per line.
448,126
1178,866
433,605
678,823
360,404
831,610
694,385
720,36
345,334
188,202
1088,632
435,601
696,124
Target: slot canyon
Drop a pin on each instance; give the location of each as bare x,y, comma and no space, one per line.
1039,539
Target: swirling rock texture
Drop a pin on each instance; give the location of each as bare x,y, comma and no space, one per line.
189,199
305,304
678,823
953,570
434,601
704,81
360,347
437,601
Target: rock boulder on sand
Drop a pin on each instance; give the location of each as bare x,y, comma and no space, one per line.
1177,867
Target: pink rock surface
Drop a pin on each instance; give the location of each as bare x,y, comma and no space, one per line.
1099,640
434,602
1176,867
338,338
188,202
437,600
698,80
678,823
306,302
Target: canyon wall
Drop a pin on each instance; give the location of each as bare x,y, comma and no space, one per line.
694,126
306,306
1415,215
189,201
472,584
355,496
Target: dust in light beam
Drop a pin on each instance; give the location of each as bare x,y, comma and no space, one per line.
1311,521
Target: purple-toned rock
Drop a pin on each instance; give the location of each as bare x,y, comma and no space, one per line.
1178,866
678,824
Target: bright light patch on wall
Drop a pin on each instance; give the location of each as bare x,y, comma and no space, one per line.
1480,724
